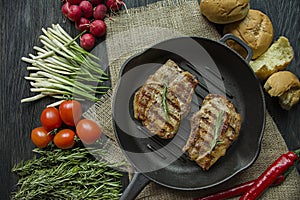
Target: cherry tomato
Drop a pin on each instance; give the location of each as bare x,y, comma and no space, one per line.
50,118
88,131
70,112
40,137
64,139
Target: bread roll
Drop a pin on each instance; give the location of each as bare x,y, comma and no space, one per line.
256,30
276,58
286,86
224,12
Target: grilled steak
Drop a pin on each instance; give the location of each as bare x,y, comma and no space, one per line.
166,73
149,99
183,86
182,83
148,107
213,129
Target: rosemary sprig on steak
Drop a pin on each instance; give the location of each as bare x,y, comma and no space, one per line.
164,102
219,123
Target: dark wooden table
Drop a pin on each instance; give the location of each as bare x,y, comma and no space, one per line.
21,23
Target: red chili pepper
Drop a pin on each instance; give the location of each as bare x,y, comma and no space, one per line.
237,190
281,165
243,188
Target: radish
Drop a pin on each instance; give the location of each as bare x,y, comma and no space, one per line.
74,2
96,2
87,41
100,11
115,5
98,28
82,24
65,8
74,13
86,8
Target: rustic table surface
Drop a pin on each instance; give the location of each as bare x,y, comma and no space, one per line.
21,23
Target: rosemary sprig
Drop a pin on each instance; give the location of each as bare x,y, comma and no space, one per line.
61,67
164,102
67,174
216,131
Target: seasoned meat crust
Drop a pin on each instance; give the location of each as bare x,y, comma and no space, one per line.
213,129
148,100
148,108
182,83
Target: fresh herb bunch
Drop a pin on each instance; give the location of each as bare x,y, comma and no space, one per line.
63,68
67,174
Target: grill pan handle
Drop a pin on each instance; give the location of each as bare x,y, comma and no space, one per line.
240,42
137,184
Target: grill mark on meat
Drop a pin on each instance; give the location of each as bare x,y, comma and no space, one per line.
183,86
148,99
142,98
160,119
176,118
173,105
182,83
203,123
154,114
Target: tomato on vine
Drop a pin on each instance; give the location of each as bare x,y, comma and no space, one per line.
88,131
50,118
64,139
70,112
41,137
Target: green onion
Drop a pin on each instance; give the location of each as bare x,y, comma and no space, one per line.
61,67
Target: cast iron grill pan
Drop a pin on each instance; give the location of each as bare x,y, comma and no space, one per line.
211,64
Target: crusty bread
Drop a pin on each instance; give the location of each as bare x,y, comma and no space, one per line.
289,99
276,58
256,30
286,86
224,12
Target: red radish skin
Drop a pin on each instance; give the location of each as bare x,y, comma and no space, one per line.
82,24
87,41
65,8
100,11
74,2
86,8
115,5
98,28
74,13
96,2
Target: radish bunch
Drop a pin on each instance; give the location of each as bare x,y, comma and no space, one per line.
88,15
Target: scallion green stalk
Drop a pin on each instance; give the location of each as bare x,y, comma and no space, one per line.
64,65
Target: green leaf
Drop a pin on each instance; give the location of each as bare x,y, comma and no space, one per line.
219,123
164,102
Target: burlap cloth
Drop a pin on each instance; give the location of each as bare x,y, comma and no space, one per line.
129,33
